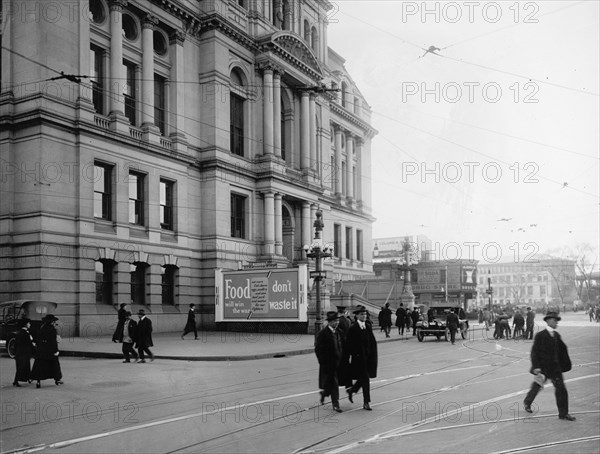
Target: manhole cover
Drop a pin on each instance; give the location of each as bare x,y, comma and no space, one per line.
110,384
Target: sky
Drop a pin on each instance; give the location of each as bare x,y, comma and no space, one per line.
503,123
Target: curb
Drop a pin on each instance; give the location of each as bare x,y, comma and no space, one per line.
304,351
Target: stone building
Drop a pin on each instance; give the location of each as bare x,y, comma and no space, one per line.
146,143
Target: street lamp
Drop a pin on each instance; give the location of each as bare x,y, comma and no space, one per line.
318,251
407,260
489,291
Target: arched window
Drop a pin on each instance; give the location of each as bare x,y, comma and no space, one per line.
287,12
314,41
306,31
236,113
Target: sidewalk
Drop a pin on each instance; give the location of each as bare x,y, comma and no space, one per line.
210,346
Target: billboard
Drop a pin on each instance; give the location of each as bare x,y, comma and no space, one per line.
277,295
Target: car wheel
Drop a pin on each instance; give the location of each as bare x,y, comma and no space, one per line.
420,335
10,347
446,334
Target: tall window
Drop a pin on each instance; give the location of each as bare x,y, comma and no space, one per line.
314,40
337,240
236,134
344,91
129,91
348,242
238,216
306,32
283,136
136,198
102,191
137,272
97,78
104,282
159,103
168,284
166,204
359,245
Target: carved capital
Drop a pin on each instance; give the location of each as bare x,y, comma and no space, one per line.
117,5
149,21
177,37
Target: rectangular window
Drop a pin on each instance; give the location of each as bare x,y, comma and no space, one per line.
359,245
238,216
102,191
236,130
529,290
97,78
168,284
136,198
166,204
138,283
129,91
348,242
337,240
160,103
104,282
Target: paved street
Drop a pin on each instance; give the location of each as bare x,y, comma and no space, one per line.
428,397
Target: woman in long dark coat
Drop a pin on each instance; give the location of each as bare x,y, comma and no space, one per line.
24,351
46,364
118,334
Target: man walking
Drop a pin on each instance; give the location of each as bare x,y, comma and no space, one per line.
529,323
452,325
328,349
415,316
385,319
400,319
549,359
128,337
191,324
362,347
144,336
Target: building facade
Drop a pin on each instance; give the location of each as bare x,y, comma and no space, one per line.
541,283
147,143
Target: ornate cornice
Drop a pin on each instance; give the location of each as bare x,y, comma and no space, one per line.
216,22
351,118
290,48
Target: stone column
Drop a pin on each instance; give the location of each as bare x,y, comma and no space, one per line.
358,194
117,104
304,131
269,223
338,161
277,113
349,166
177,91
312,110
268,111
147,100
306,232
278,225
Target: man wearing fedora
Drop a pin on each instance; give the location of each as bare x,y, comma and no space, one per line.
144,336
362,348
328,349
549,359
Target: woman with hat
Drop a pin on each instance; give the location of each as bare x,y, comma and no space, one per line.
549,359
24,350
46,364
362,348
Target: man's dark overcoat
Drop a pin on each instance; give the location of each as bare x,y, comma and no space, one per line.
328,349
144,333
400,317
549,354
362,348
118,334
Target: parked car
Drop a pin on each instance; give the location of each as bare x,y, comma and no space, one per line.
437,327
12,311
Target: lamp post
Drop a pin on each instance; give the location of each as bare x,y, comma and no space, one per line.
407,260
489,291
318,251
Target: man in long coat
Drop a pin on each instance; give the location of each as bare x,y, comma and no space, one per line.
452,325
529,323
191,323
362,348
144,337
128,337
385,319
121,321
24,350
549,359
328,349
400,319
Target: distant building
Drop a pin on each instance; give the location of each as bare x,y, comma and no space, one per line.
391,249
541,283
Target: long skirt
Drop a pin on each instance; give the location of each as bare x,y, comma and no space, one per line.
44,369
23,369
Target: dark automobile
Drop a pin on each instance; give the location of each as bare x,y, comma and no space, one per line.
437,326
12,311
